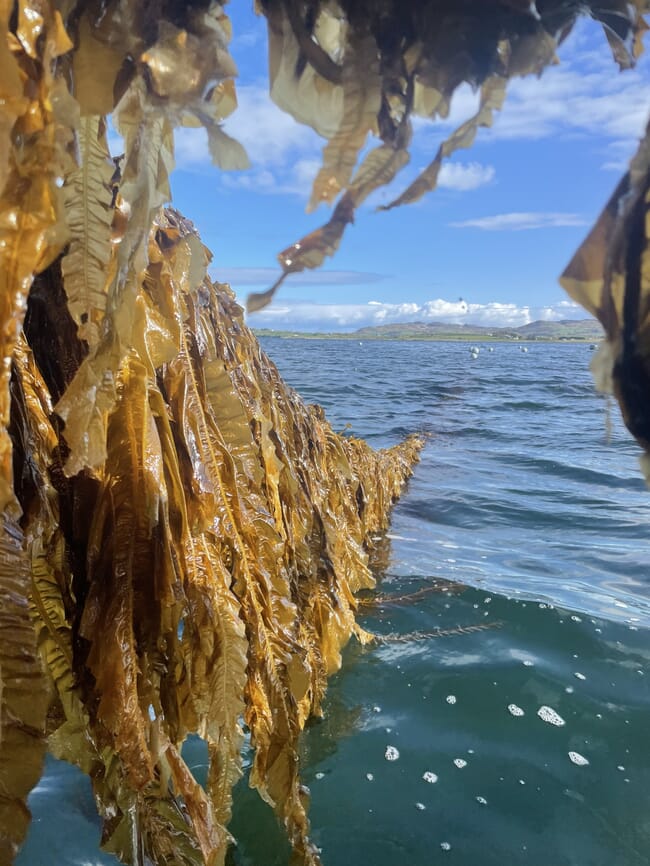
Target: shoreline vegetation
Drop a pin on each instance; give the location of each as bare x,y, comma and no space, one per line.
583,331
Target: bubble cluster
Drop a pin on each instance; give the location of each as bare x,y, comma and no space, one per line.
548,714
460,763
451,699
514,710
391,753
578,759
430,777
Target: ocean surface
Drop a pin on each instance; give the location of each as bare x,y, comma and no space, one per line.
505,718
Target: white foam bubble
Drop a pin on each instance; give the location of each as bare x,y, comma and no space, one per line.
369,777
578,759
320,775
482,801
460,763
420,806
376,709
430,777
451,699
579,676
514,710
391,753
548,714
445,846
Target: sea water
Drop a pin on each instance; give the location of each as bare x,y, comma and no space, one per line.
503,716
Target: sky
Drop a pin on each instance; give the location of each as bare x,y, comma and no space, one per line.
486,247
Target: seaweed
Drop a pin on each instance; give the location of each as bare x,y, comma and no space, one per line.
183,537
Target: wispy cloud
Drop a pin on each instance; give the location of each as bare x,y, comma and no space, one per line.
521,221
265,276
249,39
584,95
566,100
306,315
465,176
284,155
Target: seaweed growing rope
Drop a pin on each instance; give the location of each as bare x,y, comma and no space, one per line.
182,537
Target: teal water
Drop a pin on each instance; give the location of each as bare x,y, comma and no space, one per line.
514,589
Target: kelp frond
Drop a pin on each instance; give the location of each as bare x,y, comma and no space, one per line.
203,576
182,537
358,73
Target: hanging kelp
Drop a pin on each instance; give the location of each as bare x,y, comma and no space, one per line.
182,537
200,578
353,71
610,277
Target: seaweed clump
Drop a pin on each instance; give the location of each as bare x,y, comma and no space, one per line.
182,536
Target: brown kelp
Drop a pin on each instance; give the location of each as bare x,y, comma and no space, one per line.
199,579
353,69
610,276
182,536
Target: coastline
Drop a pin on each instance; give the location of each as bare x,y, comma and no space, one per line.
415,338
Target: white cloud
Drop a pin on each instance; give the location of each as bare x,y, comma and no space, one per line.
521,221
295,179
584,95
465,176
270,136
284,155
565,100
307,315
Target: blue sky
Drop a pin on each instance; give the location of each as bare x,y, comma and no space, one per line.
497,232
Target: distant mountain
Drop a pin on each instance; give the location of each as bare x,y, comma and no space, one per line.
585,329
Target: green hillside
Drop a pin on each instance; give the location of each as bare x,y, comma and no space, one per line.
585,330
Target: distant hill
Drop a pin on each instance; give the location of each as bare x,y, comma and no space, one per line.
587,330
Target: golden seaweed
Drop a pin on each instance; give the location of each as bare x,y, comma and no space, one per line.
183,537
610,276
205,576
